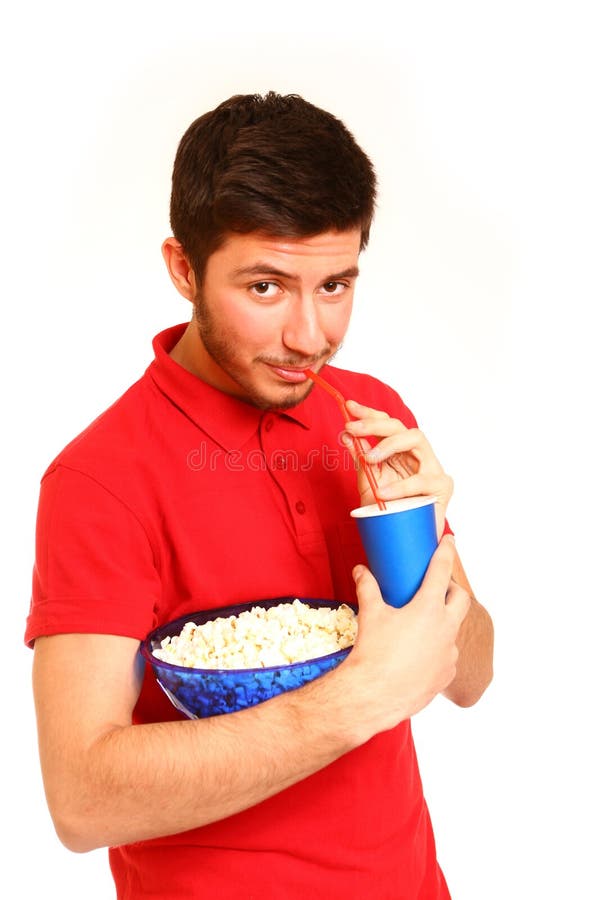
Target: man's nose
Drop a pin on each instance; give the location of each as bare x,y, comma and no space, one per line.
302,332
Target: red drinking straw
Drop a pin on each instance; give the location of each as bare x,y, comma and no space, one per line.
357,445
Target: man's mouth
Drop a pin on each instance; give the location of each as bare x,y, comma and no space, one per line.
294,372
293,375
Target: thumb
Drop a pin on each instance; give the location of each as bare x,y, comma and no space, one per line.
367,589
354,443
437,577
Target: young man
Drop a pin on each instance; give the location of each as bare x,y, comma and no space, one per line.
219,478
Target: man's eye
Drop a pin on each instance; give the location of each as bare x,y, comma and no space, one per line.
264,288
334,287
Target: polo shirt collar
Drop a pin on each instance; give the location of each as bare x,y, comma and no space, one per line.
226,419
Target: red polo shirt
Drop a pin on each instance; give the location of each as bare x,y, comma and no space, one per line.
180,498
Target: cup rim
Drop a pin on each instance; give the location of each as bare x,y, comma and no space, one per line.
392,506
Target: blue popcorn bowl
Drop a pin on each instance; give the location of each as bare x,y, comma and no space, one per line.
200,693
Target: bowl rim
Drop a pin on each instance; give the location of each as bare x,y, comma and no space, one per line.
223,612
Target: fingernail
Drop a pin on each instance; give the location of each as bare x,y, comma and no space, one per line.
357,571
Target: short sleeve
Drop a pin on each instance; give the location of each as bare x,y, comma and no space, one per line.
94,566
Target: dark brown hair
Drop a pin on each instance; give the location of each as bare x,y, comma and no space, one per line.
275,164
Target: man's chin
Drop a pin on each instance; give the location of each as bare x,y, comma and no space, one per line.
289,403
286,398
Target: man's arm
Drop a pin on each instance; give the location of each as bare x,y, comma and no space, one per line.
109,782
409,467
475,644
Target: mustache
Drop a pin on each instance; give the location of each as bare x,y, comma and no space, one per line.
294,361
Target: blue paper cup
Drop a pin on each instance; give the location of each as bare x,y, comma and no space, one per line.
399,542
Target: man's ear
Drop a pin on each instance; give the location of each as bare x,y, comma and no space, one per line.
179,268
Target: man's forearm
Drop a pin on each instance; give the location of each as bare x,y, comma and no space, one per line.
474,668
109,782
139,782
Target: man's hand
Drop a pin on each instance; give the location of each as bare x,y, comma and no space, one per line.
405,465
406,656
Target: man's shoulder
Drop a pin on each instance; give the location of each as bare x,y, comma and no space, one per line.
115,432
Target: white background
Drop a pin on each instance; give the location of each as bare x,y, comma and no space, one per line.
475,301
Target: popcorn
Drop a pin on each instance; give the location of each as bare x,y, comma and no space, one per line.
284,634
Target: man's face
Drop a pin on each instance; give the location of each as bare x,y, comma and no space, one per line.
269,308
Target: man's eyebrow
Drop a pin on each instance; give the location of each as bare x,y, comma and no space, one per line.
261,268
351,272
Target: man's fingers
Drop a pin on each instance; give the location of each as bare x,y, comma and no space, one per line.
437,576
412,442
416,485
349,442
436,583
458,602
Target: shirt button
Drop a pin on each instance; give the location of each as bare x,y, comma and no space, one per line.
268,424
300,508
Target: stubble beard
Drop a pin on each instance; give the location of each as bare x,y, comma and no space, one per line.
223,353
